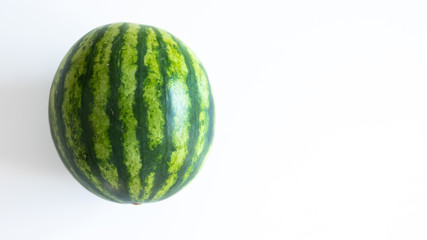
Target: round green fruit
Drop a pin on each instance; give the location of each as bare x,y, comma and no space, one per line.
131,113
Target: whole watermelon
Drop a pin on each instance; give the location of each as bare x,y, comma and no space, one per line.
131,113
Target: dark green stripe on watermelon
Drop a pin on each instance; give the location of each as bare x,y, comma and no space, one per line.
116,126
209,134
140,110
162,152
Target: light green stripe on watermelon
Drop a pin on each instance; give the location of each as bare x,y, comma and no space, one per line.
178,90
152,93
148,183
54,117
203,90
126,100
70,110
100,87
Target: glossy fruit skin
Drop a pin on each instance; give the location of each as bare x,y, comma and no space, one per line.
131,113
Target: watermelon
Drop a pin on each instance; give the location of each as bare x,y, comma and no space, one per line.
131,113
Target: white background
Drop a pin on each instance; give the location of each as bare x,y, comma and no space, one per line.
321,126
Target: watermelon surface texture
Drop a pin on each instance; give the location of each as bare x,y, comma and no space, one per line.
131,113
